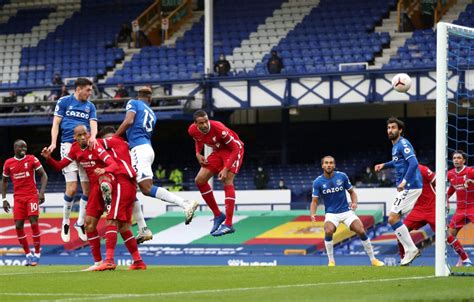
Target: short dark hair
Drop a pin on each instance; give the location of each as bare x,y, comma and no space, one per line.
106,130
400,123
459,151
145,92
18,140
322,159
199,113
81,82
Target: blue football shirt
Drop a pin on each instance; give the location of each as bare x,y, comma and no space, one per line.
401,152
142,128
73,113
332,191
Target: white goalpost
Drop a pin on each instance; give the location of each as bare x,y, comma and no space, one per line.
446,34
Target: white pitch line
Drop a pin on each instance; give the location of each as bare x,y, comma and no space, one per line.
238,289
32,272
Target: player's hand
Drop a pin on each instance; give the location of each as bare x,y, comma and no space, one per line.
41,198
99,171
468,183
401,186
6,206
46,153
354,206
223,174
51,148
201,159
378,167
92,142
313,217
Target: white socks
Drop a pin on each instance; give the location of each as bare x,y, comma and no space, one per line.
368,248
404,237
82,211
329,249
167,196
138,216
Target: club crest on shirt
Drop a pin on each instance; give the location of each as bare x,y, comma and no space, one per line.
26,165
214,139
339,182
87,110
90,156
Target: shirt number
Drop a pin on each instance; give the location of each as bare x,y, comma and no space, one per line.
148,121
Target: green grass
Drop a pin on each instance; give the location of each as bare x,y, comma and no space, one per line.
184,283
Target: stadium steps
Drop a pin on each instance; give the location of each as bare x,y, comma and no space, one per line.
129,53
397,40
180,33
453,13
247,55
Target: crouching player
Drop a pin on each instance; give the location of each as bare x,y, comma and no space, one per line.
331,188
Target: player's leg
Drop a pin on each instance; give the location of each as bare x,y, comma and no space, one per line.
144,234
71,189
94,241
36,238
413,222
111,229
79,225
330,225
457,222
20,213
404,203
355,225
20,233
202,182
131,244
226,227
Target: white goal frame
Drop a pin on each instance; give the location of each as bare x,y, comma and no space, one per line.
443,31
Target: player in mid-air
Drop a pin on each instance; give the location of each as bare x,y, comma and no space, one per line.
21,170
425,208
224,161
409,185
331,187
462,182
70,111
138,127
99,166
124,192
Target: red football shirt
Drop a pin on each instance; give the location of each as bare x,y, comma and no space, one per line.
118,147
427,198
218,137
22,174
88,159
465,196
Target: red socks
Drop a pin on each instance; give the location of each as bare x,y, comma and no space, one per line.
208,196
110,241
94,242
20,233
457,246
36,237
131,244
229,203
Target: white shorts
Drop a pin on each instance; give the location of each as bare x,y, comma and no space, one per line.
346,217
70,172
142,159
405,201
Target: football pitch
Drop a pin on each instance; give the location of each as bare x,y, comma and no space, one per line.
186,283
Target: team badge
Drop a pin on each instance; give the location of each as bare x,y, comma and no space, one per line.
87,110
339,182
406,150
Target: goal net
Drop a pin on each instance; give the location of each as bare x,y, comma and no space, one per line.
454,131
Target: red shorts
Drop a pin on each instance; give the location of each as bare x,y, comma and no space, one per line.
95,205
216,161
461,217
25,207
124,195
419,217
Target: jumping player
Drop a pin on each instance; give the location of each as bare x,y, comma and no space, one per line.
21,170
138,127
331,187
224,161
70,111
